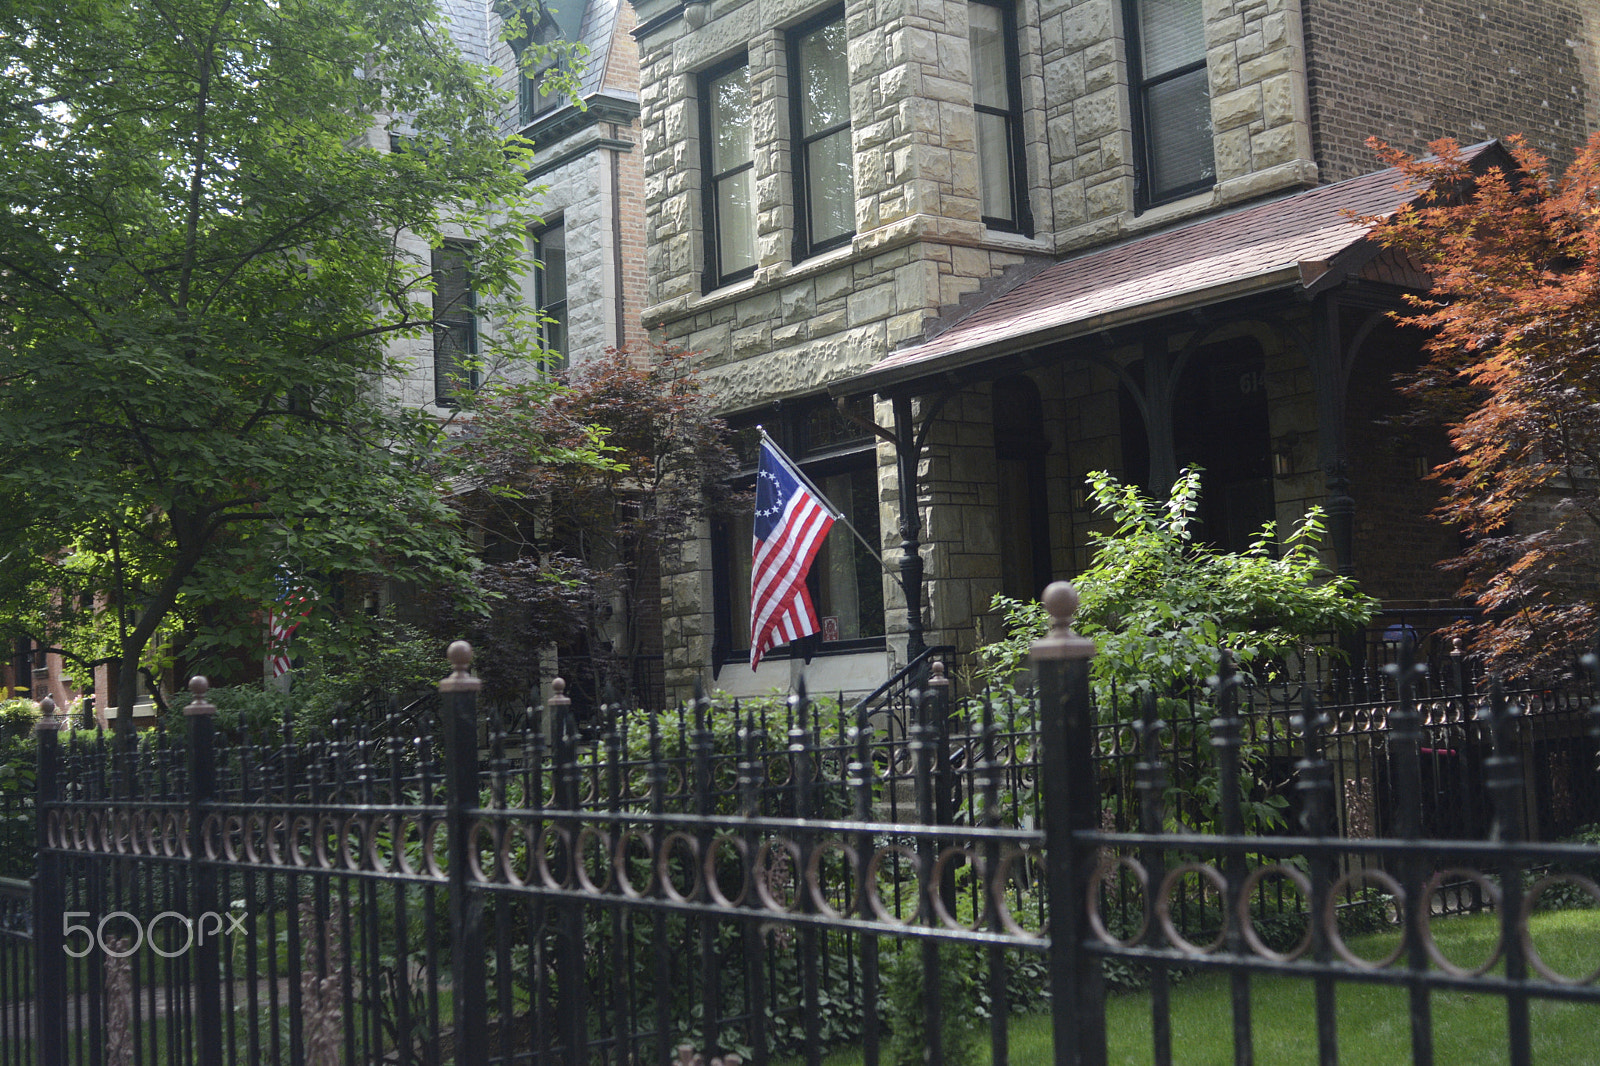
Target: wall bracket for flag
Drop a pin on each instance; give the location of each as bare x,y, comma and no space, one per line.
833,508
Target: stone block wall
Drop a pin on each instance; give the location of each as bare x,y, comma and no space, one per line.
1410,72
1260,113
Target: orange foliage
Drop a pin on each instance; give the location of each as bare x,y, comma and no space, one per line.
1514,371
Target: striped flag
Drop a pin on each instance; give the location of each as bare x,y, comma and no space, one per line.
282,620
791,522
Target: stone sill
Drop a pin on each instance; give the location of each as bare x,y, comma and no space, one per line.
918,228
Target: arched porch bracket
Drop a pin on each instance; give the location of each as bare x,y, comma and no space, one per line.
909,437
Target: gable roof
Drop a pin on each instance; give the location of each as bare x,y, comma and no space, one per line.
1307,240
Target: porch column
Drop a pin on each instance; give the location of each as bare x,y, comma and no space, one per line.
908,450
1330,378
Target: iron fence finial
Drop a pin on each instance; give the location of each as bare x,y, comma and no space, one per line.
47,716
1061,601
460,679
198,687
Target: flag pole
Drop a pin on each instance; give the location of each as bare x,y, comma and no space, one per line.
838,515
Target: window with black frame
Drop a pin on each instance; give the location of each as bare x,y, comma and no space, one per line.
728,146
1171,99
538,94
997,102
550,291
455,324
846,578
825,190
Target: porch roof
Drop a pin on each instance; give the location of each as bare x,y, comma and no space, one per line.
1307,240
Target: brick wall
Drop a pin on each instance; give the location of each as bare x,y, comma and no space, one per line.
1410,71
1397,544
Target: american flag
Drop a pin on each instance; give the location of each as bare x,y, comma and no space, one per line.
282,620
791,522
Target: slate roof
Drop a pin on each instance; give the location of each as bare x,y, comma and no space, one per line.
1299,240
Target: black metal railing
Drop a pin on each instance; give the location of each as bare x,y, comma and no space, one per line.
756,879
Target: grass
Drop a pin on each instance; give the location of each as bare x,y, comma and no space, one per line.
1374,1030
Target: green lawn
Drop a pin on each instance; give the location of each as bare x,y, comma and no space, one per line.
1469,1029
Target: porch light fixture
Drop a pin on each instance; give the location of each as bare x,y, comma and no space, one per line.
1283,457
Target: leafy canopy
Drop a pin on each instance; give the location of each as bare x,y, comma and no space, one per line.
1159,604
215,228
572,543
1514,373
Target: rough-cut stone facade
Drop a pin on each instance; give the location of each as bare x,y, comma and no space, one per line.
1282,77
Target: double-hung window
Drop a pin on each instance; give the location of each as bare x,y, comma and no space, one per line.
729,165
537,94
455,324
1171,101
550,290
825,188
997,101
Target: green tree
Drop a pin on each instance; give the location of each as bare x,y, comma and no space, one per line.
572,545
218,216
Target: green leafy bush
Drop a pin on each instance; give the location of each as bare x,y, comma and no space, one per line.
1159,604
905,992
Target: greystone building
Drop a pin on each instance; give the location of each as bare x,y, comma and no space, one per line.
963,252
586,254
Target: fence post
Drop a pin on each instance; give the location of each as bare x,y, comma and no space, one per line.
202,789
458,698
1071,804
49,895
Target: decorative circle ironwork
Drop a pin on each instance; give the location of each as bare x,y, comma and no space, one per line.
581,858
997,892
624,882
1092,899
664,866
713,883
1330,916
434,831
1425,927
554,837
480,828
255,829
300,848
280,825
1211,875
1248,927
1535,959
814,884
174,841
326,833
766,873
871,887
936,893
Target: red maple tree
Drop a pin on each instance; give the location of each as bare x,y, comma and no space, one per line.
1513,370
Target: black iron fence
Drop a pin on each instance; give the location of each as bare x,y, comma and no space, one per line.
753,882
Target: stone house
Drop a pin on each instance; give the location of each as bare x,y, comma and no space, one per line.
587,181
963,252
